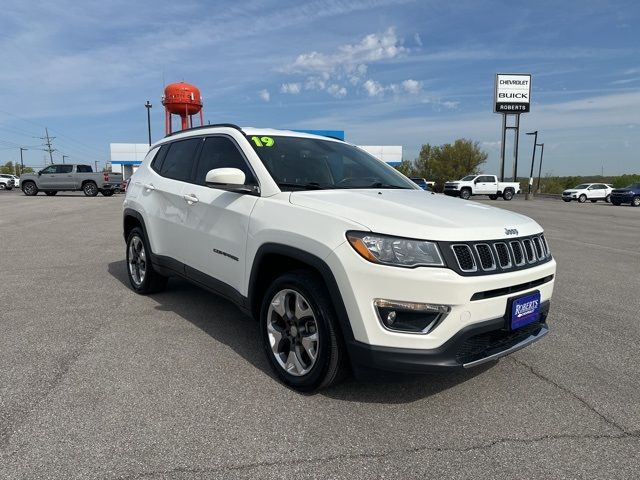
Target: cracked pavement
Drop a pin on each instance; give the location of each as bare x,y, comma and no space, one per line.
97,382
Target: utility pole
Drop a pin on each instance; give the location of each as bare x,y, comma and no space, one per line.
148,106
540,167
48,144
533,159
21,160
63,157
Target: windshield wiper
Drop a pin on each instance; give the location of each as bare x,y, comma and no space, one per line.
385,185
303,186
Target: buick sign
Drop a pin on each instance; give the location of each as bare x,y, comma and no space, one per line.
512,93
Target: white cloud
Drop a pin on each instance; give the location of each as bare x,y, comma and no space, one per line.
315,83
337,91
373,88
412,86
292,88
264,95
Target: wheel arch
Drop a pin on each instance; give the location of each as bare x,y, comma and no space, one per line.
274,259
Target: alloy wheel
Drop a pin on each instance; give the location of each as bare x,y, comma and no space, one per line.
137,260
293,332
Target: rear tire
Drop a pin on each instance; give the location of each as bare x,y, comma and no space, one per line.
507,195
493,197
50,193
90,189
29,188
300,333
107,193
582,198
142,277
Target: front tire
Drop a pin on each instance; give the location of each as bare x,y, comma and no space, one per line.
608,198
50,193
299,332
465,194
636,201
90,189
142,277
493,197
582,198
29,189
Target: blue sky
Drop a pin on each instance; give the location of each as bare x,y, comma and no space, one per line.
387,72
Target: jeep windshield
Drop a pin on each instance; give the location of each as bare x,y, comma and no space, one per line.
299,163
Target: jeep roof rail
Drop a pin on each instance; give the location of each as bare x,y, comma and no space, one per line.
213,125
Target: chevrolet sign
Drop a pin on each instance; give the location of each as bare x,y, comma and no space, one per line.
512,93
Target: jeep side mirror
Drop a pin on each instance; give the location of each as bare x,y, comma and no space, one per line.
230,179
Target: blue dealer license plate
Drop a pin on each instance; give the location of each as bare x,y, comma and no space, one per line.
525,310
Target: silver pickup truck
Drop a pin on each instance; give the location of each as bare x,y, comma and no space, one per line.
70,177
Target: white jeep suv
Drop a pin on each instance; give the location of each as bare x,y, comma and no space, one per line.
343,260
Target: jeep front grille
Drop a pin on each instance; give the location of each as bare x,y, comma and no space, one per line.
496,256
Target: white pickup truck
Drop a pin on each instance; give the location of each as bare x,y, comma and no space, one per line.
481,185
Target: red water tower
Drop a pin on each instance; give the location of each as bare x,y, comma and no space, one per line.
181,99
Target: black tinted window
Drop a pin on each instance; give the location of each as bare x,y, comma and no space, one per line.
83,169
156,163
65,168
178,162
221,152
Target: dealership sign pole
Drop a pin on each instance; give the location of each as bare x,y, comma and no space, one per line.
512,96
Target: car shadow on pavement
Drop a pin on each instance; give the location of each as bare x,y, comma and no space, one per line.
241,333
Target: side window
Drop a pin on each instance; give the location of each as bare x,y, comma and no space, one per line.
156,163
50,169
65,168
83,169
221,152
179,159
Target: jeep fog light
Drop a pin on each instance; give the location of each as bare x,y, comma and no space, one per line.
409,317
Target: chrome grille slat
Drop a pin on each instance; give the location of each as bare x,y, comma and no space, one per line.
528,250
518,253
502,253
464,257
487,261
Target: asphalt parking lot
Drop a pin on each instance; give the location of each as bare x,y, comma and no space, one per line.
98,382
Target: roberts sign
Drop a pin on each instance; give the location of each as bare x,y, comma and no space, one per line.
512,93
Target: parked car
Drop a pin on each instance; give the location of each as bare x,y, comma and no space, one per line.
629,194
481,185
16,180
588,191
341,258
70,177
6,182
423,184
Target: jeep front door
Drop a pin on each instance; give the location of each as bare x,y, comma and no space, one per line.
217,221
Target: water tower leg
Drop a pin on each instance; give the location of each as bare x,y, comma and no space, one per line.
201,121
167,122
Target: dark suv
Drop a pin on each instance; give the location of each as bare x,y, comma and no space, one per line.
629,194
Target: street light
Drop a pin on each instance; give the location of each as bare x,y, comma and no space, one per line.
63,157
21,160
149,106
533,159
541,145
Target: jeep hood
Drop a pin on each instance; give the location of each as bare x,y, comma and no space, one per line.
416,214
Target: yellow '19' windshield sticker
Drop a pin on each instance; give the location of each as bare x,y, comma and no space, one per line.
263,141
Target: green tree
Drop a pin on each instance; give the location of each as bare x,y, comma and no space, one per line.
449,161
406,168
8,168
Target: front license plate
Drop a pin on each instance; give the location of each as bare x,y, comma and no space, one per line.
525,310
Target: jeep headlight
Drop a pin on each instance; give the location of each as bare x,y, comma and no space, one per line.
401,252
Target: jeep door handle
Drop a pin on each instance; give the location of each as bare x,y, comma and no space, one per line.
149,187
190,198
